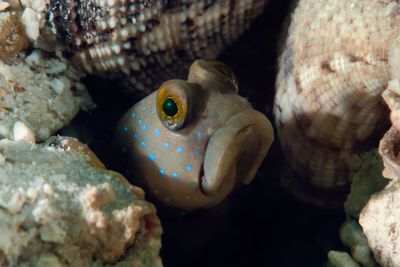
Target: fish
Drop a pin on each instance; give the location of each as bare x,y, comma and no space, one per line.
191,143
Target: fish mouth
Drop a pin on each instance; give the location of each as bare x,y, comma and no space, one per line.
235,152
201,178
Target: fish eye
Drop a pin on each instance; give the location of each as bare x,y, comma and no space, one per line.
223,70
169,107
172,104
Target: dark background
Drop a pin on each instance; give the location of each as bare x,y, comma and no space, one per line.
261,224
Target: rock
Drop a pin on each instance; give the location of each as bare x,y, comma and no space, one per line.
60,206
31,23
380,220
43,94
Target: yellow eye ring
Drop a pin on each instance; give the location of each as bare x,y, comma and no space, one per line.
172,106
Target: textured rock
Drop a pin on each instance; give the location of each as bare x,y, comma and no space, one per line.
12,37
380,217
40,90
44,94
58,210
380,220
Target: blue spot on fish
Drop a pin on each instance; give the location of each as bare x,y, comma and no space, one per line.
166,145
140,121
188,167
144,108
199,134
154,110
197,152
144,127
179,149
143,144
151,156
133,115
124,149
157,132
125,128
175,175
135,135
162,172
193,185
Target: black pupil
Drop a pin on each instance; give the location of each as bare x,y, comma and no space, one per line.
170,108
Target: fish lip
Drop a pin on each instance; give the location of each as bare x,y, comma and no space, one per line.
202,178
225,147
201,175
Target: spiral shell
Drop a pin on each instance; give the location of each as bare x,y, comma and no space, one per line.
147,41
332,73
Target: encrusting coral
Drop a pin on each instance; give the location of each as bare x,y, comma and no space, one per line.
365,172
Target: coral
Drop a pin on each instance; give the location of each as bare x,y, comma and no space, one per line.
341,259
57,209
365,172
366,179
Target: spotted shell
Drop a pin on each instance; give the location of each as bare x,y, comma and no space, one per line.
145,42
332,72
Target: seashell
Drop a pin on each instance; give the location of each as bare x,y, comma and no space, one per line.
145,42
332,72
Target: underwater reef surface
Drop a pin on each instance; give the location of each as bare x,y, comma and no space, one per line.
261,224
